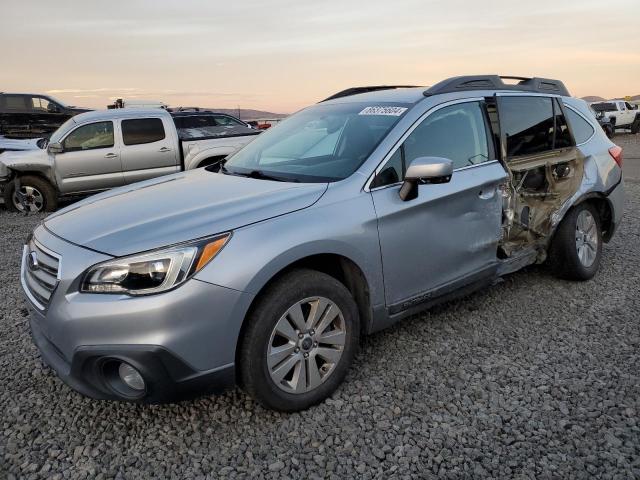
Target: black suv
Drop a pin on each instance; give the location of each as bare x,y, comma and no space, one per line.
25,115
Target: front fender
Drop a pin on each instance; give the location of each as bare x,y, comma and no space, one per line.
18,163
256,253
5,173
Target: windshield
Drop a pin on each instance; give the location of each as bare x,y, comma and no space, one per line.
64,128
323,143
55,100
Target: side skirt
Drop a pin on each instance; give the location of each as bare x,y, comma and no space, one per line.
456,289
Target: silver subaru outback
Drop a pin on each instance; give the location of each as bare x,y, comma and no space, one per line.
265,270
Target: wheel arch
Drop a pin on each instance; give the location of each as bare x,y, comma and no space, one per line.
210,160
603,206
338,266
205,154
31,173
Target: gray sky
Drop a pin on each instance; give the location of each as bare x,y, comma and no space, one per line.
281,55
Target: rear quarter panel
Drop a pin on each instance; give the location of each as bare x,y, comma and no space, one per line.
601,173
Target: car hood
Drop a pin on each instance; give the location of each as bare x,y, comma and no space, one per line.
19,143
176,208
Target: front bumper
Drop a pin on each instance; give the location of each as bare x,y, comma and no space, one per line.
183,341
167,377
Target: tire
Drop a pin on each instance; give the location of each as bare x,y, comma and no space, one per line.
635,126
570,256
315,377
43,196
608,130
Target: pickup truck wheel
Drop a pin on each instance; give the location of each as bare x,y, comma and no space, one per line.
299,341
37,195
608,130
635,126
577,245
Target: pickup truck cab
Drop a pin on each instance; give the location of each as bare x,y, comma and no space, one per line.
99,150
31,115
621,115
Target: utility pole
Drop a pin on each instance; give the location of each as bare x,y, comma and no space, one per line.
239,112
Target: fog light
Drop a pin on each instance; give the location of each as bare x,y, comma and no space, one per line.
131,377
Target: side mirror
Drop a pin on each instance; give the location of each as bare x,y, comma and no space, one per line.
52,108
425,170
55,147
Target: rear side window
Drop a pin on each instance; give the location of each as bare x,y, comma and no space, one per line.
224,121
528,125
89,137
142,130
533,125
582,130
15,102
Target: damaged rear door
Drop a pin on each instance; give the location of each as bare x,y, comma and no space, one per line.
449,234
544,165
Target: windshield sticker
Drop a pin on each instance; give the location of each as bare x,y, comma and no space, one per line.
392,111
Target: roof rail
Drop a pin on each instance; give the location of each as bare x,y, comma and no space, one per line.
495,82
356,90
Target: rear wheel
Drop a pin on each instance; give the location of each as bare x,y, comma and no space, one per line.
299,341
577,245
34,194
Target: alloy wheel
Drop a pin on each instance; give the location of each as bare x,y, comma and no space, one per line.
32,199
586,238
306,344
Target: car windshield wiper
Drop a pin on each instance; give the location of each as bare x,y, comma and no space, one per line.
258,174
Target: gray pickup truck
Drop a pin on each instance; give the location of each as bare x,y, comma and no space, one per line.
99,150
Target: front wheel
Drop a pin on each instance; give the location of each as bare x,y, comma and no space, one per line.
34,194
608,130
576,248
299,341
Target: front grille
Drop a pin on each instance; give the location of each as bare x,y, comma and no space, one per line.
40,273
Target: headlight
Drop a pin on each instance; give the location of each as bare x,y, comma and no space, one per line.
152,272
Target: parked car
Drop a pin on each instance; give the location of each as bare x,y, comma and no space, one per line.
104,149
620,114
338,222
27,115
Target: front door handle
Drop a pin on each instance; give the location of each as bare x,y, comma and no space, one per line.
110,155
164,149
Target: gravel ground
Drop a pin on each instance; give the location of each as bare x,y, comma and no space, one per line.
533,378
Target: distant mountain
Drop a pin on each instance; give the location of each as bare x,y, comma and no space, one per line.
247,114
593,98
